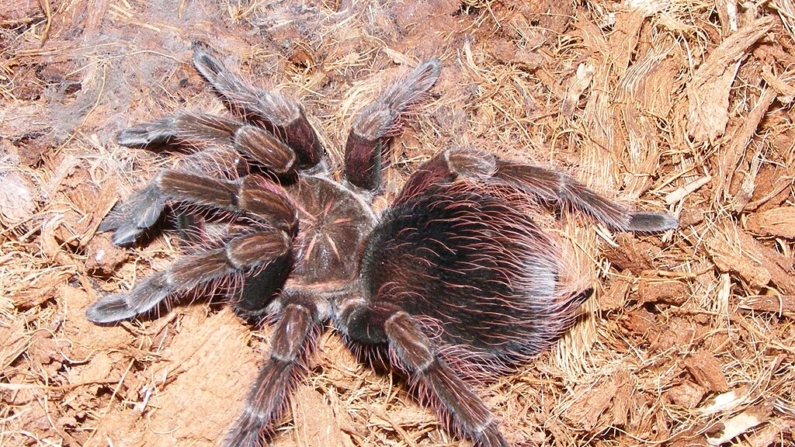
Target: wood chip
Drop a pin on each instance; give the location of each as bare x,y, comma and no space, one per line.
737,425
708,93
615,296
735,148
726,401
769,303
591,404
732,259
622,401
683,191
707,371
17,197
781,268
786,92
40,289
687,394
314,420
774,222
640,321
632,254
772,433
576,85
663,291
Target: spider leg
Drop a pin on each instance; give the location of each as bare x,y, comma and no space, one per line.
182,127
139,213
144,207
378,122
243,253
259,200
255,143
550,186
250,195
373,323
283,114
266,400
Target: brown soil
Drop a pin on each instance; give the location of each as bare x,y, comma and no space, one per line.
677,105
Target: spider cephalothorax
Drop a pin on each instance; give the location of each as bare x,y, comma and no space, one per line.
453,277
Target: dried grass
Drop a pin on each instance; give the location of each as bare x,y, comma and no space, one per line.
679,104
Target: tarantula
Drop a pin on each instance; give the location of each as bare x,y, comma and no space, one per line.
452,278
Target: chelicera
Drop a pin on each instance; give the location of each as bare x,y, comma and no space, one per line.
452,278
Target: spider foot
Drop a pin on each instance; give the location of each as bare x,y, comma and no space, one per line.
109,309
133,218
644,222
156,133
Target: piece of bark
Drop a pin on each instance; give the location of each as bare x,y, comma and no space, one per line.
622,400
769,303
586,412
639,321
731,258
662,291
615,296
781,267
734,150
708,91
778,222
707,371
632,254
687,394
733,427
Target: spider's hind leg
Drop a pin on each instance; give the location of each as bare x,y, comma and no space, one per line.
300,316
548,185
376,323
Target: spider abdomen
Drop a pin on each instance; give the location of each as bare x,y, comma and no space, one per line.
468,263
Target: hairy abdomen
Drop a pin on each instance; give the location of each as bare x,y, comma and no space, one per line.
474,269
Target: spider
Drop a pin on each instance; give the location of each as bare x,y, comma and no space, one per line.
453,278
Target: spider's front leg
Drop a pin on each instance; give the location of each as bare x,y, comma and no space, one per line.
255,143
550,186
376,323
143,209
246,253
278,113
145,206
130,219
300,147
377,123
283,115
